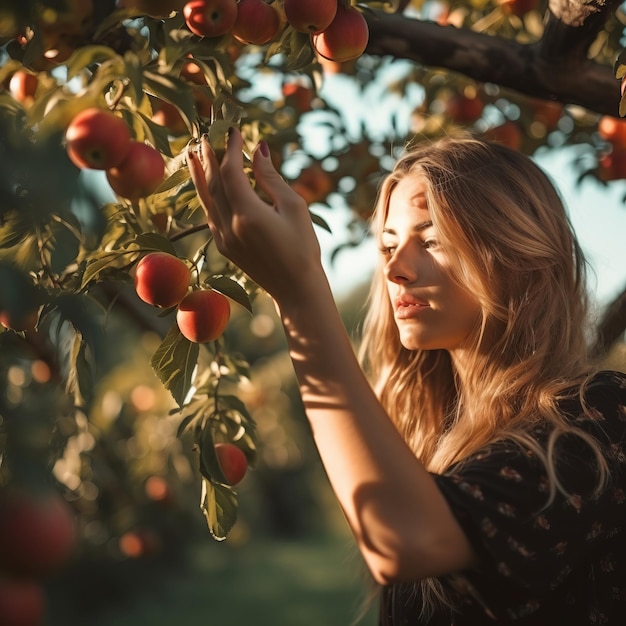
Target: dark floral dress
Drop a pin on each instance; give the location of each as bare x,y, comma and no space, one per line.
564,564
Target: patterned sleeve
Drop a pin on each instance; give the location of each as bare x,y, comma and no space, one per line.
499,497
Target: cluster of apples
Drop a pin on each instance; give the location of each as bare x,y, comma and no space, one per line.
100,140
37,539
162,280
338,31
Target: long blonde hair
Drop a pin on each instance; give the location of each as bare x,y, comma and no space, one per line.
510,243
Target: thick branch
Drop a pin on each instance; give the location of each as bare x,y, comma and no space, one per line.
571,27
524,68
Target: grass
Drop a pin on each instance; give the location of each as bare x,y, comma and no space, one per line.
261,583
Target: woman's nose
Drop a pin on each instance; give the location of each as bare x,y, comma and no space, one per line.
402,267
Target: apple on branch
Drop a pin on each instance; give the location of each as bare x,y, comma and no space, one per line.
203,315
210,18
233,462
257,22
139,174
346,38
310,16
97,139
161,279
23,86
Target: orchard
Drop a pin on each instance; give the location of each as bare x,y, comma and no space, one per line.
106,262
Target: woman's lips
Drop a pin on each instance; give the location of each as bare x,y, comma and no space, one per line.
407,307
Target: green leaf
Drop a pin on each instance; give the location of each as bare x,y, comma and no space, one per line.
179,177
232,289
194,411
320,221
114,19
18,295
81,378
133,69
219,505
14,227
234,403
619,66
174,362
209,465
100,262
154,241
217,134
87,55
84,314
158,135
173,90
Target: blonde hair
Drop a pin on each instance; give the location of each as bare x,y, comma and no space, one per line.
511,244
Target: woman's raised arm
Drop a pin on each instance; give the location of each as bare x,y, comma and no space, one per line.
401,522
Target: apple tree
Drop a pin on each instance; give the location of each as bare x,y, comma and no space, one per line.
99,102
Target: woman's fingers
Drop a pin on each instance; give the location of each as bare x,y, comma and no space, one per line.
203,171
237,188
270,181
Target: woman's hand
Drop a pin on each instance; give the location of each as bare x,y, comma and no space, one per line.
275,244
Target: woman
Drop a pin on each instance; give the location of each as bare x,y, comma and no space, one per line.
483,470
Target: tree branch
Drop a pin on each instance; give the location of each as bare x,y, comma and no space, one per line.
555,68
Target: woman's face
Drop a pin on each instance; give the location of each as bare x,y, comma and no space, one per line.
430,309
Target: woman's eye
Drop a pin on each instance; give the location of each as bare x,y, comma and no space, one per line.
430,243
386,250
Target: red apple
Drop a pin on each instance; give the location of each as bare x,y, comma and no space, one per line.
140,543
166,114
313,184
464,109
20,321
508,134
346,38
37,533
257,22
161,279
233,462
23,85
203,315
139,174
613,130
158,489
97,139
612,166
299,96
518,7
548,113
310,16
22,602
210,18
194,74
